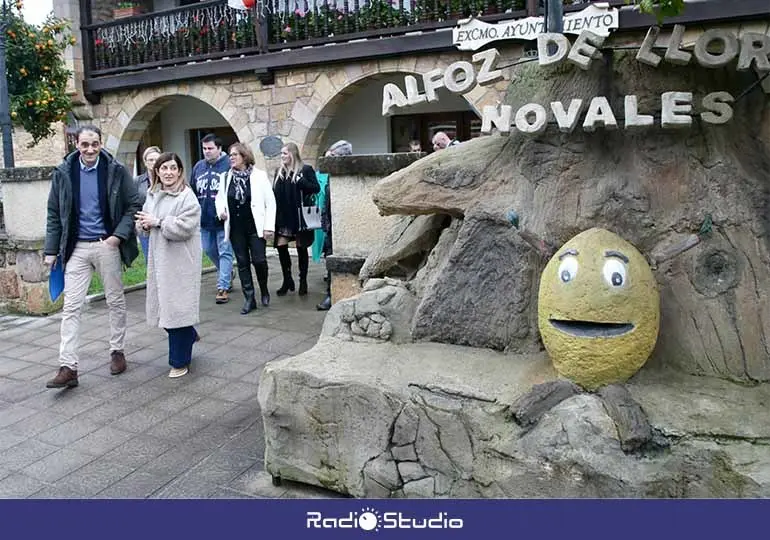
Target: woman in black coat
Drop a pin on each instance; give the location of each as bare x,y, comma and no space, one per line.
294,182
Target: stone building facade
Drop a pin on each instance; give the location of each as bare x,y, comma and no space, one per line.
297,107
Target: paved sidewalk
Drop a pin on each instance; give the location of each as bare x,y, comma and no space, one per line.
141,434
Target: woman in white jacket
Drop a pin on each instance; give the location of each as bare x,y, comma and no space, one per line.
247,206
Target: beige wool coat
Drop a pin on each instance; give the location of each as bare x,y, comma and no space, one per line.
174,265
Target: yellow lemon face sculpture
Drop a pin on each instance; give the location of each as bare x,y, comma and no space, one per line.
598,309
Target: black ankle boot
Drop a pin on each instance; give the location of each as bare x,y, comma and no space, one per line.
302,287
250,304
288,285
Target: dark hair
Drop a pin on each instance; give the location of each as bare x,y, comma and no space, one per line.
165,157
243,150
88,127
212,138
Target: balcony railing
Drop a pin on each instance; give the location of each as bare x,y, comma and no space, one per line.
210,30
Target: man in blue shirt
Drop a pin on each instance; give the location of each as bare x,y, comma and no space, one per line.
206,178
91,209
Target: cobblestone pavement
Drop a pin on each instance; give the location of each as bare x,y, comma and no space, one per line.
141,434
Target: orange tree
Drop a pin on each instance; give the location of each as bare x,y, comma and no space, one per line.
37,74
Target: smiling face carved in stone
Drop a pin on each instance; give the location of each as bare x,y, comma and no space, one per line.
598,309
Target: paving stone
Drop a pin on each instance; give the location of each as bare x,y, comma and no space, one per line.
186,487
9,439
68,432
209,409
67,402
25,453
141,419
232,370
11,415
138,451
206,385
38,423
18,391
177,428
101,441
141,434
57,492
18,486
239,392
178,459
137,485
96,476
11,365
34,372
257,483
57,465
176,402
283,342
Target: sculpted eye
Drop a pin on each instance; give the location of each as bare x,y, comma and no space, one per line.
614,273
568,269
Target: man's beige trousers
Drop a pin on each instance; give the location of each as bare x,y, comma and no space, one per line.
87,257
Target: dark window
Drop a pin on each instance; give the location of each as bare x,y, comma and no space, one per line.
460,125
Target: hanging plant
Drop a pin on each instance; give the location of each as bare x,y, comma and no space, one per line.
37,75
660,8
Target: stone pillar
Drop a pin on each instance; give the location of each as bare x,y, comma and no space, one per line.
73,55
357,227
23,277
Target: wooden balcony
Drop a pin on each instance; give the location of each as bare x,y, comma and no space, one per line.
292,33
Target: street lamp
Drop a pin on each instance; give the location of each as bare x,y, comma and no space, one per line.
5,112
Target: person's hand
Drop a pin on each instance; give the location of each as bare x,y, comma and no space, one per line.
146,221
48,260
268,235
112,241
223,216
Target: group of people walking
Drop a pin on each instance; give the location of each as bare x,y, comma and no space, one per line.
228,209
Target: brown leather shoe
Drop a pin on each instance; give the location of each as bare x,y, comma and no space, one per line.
117,362
65,378
222,297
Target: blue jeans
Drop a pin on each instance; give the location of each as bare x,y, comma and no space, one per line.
144,241
221,254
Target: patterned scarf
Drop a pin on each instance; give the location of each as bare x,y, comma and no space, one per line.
239,181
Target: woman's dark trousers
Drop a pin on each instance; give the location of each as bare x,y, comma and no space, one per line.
180,345
249,250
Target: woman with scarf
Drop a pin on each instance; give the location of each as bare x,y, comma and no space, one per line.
247,206
294,182
172,217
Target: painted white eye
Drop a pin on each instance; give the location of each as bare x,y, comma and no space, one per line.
568,269
614,273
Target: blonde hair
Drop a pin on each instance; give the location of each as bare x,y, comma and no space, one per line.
297,162
149,150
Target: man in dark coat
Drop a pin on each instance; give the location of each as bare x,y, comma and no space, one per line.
91,208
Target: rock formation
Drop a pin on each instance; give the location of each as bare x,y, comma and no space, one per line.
455,396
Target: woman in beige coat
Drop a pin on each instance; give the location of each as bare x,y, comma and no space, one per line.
171,215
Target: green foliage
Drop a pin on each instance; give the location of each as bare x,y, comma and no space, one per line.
37,75
661,9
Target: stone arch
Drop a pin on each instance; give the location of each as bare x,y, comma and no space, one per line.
138,109
332,88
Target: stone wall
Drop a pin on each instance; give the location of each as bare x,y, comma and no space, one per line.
357,227
297,107
49,151
23,277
